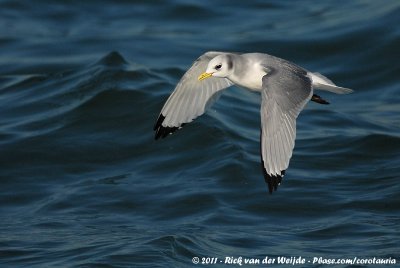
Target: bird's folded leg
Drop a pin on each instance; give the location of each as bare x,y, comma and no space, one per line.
318,99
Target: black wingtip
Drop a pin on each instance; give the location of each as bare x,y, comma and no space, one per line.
159,121
318,99
273,181
161,131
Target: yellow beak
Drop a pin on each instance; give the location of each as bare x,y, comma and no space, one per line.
204,76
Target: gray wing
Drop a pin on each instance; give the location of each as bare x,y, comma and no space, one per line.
190,97
285,93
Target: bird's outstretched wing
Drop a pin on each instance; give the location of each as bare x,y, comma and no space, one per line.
285,93
190,97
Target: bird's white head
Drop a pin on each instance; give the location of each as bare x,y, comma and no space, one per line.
220,66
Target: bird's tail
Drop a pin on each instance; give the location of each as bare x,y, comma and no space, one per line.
321,82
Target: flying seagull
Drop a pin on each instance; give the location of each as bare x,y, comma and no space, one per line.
285,89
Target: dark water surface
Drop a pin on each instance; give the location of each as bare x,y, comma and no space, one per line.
83,183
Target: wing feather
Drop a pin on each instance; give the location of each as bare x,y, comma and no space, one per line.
285,93
190,97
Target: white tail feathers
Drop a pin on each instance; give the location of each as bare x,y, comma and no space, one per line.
321,82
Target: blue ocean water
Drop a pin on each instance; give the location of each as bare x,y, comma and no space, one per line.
84,184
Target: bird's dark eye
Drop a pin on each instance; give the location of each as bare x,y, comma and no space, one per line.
217,67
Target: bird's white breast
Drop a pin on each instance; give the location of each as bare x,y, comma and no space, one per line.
251,79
